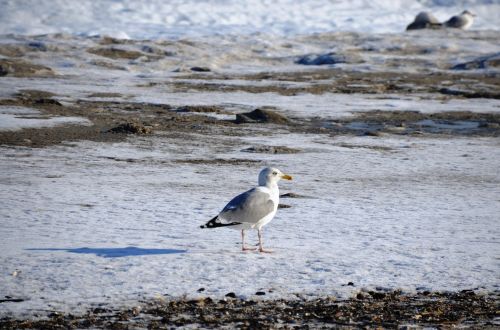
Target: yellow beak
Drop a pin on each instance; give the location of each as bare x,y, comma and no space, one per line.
286,177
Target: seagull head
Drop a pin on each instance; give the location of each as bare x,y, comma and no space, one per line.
468,13
423,17
270,176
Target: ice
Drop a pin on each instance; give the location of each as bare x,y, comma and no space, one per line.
181,18
15,118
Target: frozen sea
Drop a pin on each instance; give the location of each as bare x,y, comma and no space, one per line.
87,223
187,18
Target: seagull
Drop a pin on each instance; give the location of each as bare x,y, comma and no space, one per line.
252,209
423,20
462,21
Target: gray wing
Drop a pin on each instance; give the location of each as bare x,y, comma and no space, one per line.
456,21
248,207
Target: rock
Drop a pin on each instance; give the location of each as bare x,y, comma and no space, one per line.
260,293
350,284
200,69
489,125
330,58
377,295
37,46
47,101
105,95
200,108
201,289
271,150
261,116
493,94
291,195
360,296
106,40
116,53
231,295
131,128
372,133
19,68
284,206
483,62
10,299
148,49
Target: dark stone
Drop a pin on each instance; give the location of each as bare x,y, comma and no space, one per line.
372,133
260,293
37,45
48,101
290,195
200,108
350,284
116,53
11,300
330,59
147,49
231,295
483,62
99,310
130,128
377,295
200,69
201,289
272,150
261,116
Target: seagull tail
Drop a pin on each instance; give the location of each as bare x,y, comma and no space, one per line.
215,222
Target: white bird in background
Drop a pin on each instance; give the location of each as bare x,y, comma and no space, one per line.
462,21
252,209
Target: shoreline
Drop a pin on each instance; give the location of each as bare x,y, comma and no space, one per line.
367,309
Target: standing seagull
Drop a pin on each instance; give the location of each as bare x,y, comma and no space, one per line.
254,208
424,20
462,21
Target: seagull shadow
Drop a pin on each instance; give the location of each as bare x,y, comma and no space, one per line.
115,252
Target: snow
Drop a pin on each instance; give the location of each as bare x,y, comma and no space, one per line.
180,18
84,225
15,118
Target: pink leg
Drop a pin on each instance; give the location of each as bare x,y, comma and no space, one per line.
261,249
244,248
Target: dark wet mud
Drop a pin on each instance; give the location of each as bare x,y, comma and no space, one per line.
116,120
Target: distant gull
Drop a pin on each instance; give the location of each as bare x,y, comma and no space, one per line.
252,209
424,20
462,21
